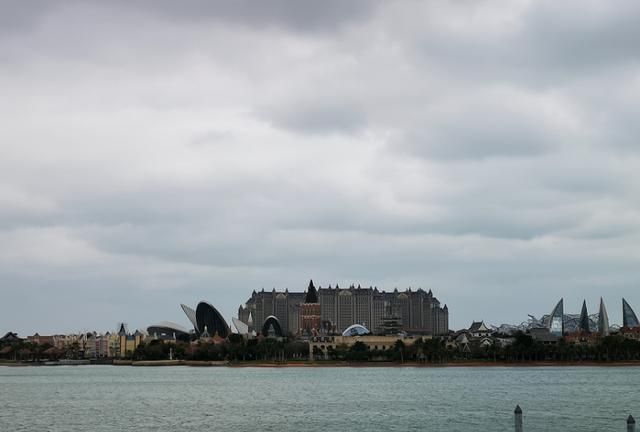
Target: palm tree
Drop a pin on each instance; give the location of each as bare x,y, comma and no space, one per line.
399,347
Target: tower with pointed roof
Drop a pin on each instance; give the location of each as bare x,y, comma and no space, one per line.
584,319
603,320
310,314
250,322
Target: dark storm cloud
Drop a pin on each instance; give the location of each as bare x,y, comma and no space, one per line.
157,153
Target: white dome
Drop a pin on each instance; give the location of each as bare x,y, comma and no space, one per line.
355,330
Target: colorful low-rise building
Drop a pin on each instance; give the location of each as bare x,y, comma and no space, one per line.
128,342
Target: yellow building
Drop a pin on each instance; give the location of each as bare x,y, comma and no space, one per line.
128,342
378,343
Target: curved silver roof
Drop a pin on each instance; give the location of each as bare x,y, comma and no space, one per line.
166,329
355,330
170,325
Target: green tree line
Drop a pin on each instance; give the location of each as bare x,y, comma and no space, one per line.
235,349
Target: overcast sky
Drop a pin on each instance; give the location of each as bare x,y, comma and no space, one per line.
157,152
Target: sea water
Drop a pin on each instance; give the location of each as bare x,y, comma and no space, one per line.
123,398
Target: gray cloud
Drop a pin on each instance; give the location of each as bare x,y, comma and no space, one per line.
299,16
20,17
302,16
313,117
539,44
480,131
571,42
153,155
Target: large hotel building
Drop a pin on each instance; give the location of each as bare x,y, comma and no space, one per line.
416,312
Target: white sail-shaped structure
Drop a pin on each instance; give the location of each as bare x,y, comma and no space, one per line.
191,314
629,317
603,320
242,328
556,320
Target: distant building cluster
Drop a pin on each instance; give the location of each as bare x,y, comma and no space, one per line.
331,310
577,329
86,345
558,323
328,320
339,315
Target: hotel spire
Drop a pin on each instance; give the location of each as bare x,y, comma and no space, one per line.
312,294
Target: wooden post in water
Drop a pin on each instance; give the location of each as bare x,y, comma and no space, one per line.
518,413
631,424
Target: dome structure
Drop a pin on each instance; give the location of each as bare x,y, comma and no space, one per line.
272,327
167,330
356,330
